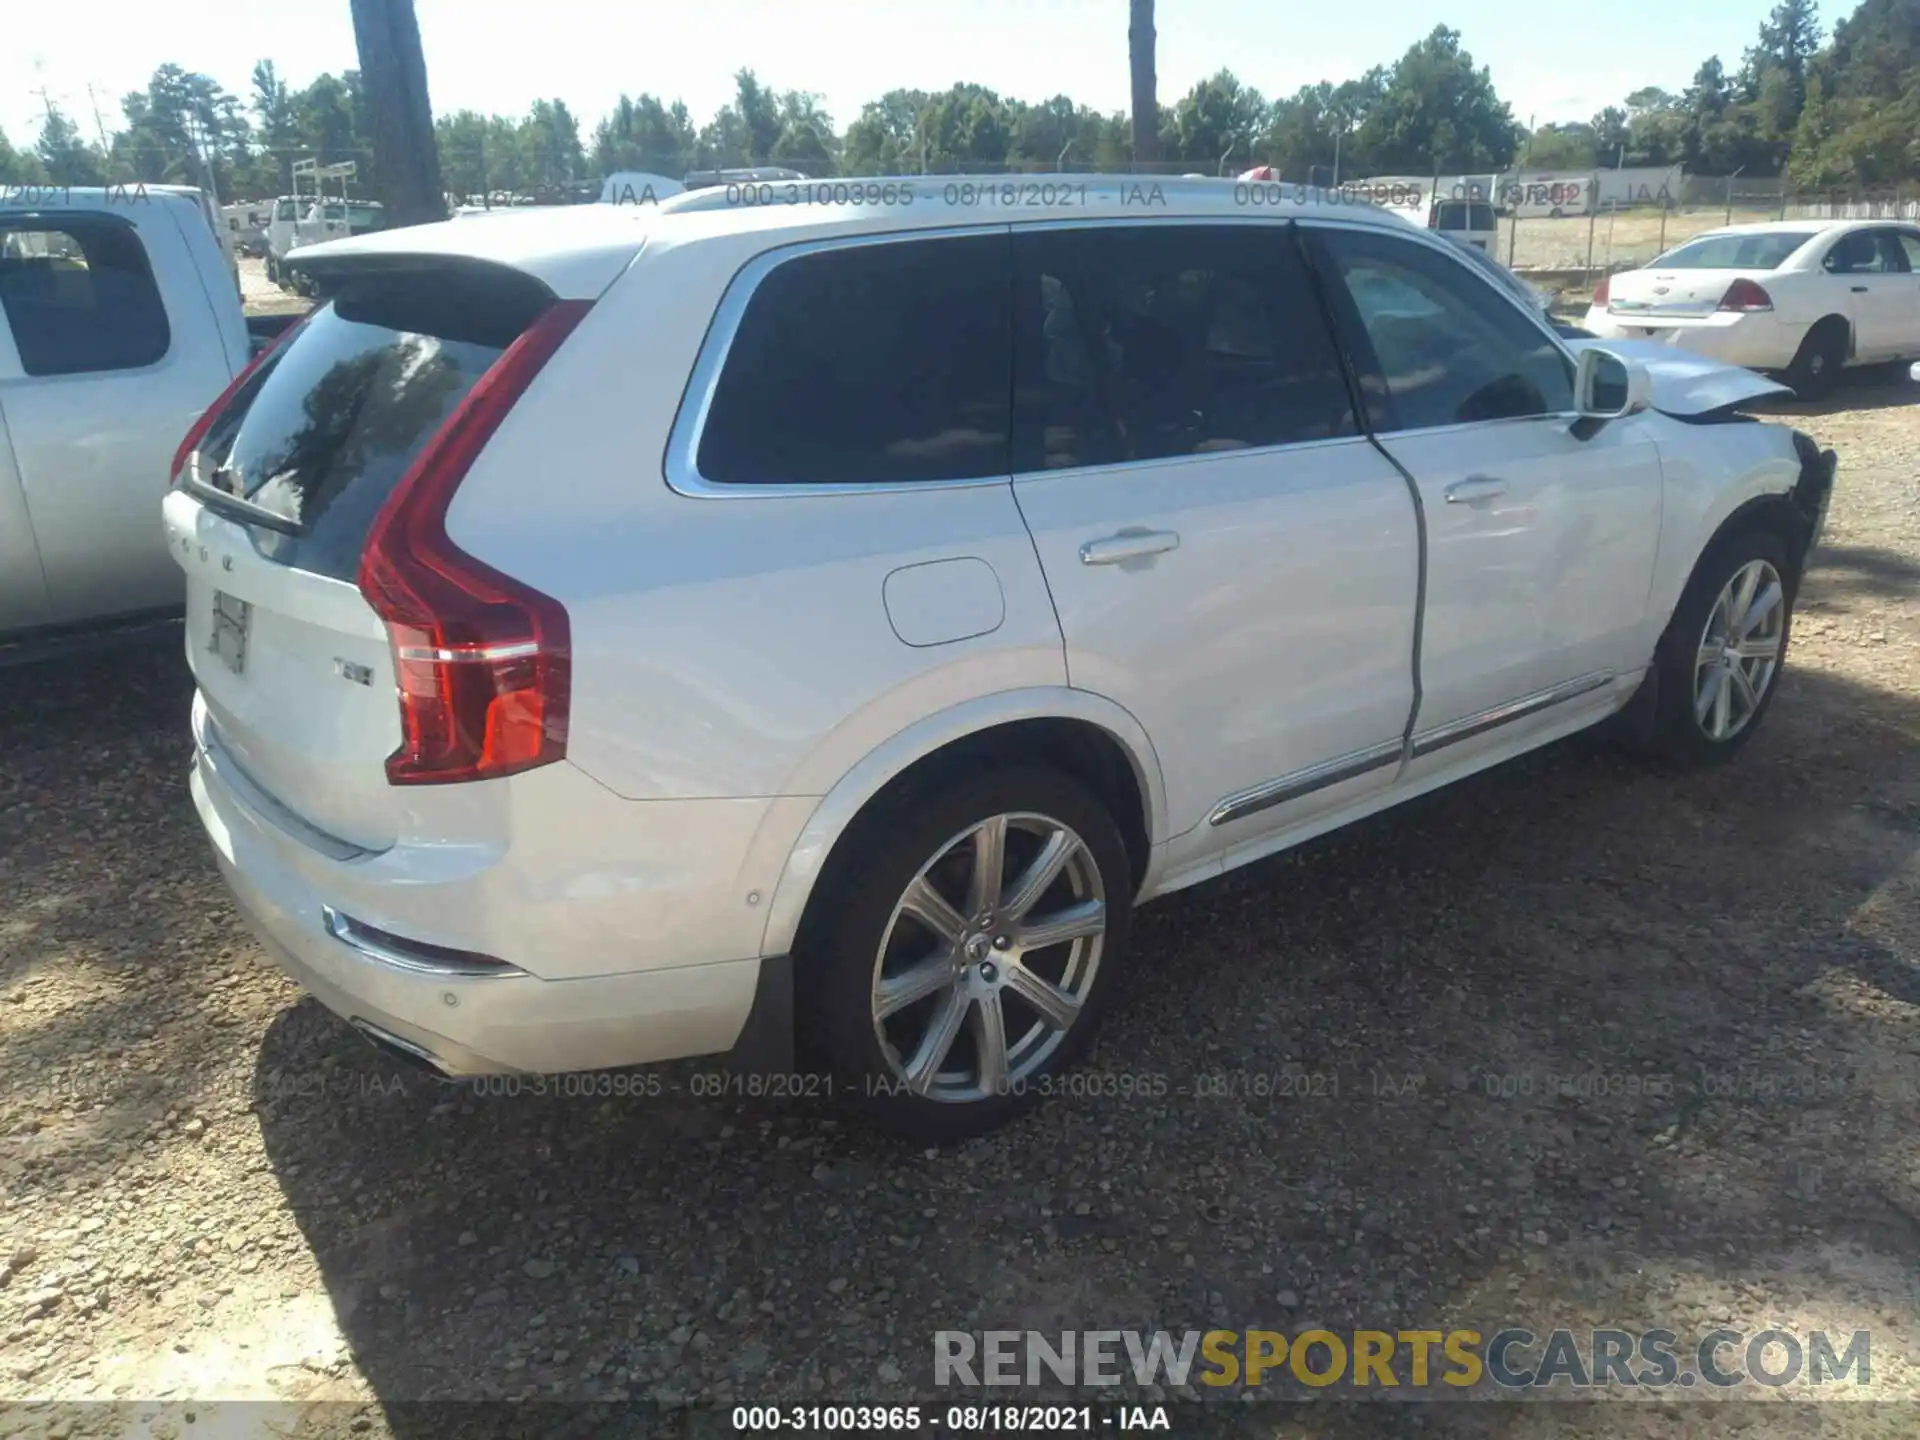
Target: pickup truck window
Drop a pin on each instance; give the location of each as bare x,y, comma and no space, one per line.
79,296
1444,345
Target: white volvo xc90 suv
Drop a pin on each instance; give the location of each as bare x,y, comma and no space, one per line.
817,615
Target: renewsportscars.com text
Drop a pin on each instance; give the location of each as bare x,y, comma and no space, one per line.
1512,1358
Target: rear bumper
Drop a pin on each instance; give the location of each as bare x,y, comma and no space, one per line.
466,1024
1757,342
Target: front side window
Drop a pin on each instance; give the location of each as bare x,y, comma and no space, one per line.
1910,247
1434,342
79,296
1866,252
868,364
1144,342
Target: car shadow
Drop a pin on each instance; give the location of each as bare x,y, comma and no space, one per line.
1571,914
1864,387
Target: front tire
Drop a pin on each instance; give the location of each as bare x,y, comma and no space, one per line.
1719,663
970,945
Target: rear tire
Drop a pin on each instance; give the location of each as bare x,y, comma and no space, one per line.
1719,663
1822,355
943,1012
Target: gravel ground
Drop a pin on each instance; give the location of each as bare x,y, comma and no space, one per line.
1593,1045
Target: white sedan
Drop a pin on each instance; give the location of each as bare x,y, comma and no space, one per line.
1802,298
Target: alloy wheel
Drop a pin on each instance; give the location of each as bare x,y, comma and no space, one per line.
1739,652
989,958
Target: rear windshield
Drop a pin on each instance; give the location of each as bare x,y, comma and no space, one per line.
1766,251
1462,215
320,434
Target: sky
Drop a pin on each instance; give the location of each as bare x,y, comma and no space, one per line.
1552,60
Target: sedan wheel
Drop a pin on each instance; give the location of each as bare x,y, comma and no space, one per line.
988,958
1739,651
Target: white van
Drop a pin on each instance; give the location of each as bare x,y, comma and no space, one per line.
1470,222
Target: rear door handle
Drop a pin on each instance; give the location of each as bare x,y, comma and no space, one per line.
1859,289
1128,545
1475,487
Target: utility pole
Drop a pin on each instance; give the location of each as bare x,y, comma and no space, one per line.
406,162
98,128
1140,66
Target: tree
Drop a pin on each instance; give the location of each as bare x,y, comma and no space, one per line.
277,125
883,140
1088,139
643,134
759,112
1569,145
1788,39
549,141
66,158
405,162
1438,111
806,141
1146,108
1219,116
1656,127
19,167
966,128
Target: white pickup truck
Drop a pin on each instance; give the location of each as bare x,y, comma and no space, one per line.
120,321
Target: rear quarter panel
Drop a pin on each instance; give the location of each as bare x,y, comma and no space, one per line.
732,647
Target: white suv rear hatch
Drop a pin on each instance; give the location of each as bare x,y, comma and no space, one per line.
271,515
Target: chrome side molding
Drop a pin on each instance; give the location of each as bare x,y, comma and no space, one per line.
1305,782
1351,766
1468,726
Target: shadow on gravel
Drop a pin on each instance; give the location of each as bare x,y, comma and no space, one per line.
1560,1029
1843,572
1867,387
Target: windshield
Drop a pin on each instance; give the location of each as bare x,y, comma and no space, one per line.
1766,250
1528,296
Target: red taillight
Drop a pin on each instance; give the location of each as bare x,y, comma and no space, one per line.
482,661
1603,291
198,431
1745,297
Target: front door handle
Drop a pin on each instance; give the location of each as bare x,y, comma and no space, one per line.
1859,289
1475,487
1128,545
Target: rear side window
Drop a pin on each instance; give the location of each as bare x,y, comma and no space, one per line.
79,296
868,364
319,436
1434,343
1143,342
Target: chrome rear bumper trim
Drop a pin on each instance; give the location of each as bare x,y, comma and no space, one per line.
392,952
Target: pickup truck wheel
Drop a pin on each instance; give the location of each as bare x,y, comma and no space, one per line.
969,953
1720,660
1817,364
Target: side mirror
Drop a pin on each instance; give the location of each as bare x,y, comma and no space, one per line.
1605,387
